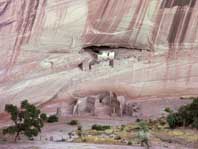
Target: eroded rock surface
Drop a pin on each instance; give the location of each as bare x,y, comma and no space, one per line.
41,49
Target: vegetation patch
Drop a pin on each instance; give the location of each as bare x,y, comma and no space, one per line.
52,119
100,127
98,140
187,116
139,133
73,122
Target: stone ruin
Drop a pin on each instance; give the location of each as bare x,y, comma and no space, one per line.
118,106
132,109
97,57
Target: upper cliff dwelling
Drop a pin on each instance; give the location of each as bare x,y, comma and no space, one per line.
112,56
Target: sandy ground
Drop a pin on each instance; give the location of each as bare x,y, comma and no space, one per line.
50,145
60,130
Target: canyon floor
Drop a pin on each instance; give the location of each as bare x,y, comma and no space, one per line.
53,135
58,130
177,139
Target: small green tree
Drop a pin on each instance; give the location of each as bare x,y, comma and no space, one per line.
186,116
27,120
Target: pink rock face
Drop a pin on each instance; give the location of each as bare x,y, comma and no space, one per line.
18,19
41,40
145,24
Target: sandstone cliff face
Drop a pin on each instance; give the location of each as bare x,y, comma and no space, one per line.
41,42
145,24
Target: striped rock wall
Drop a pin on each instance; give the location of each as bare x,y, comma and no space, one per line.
71,24
143,24
40,42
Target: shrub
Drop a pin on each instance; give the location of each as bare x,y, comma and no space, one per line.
79,131
43,116
84,140
100,127
61,140
52,119
162,121
172,121
138,120
73,122
168,110
185,114
79,127
143,133
129,143
122,127
143,126
117,138
194,108
195,123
